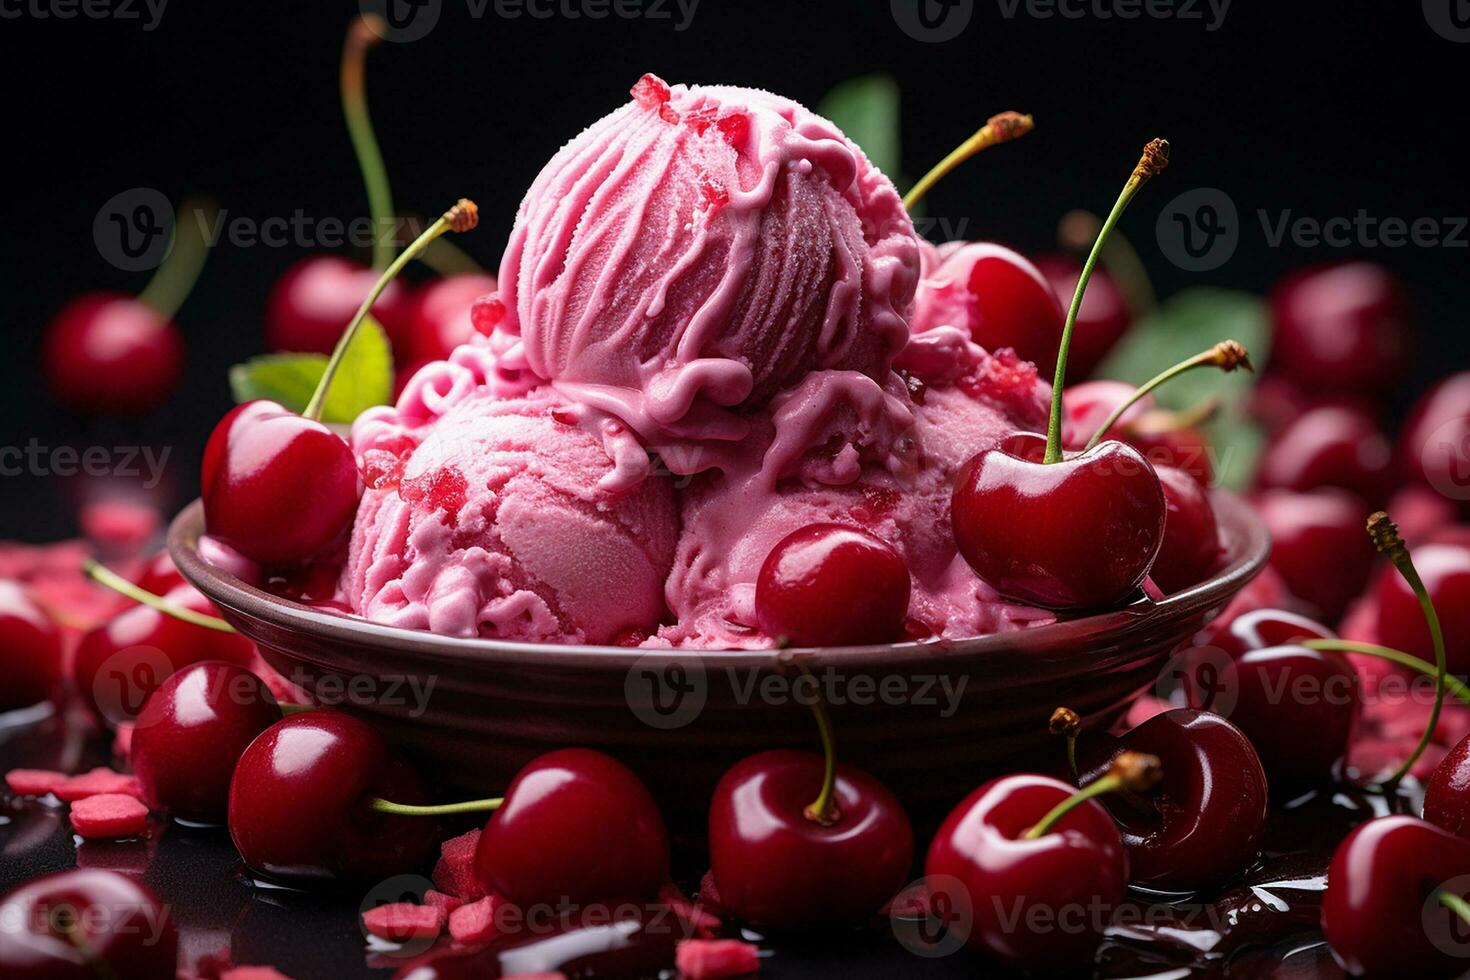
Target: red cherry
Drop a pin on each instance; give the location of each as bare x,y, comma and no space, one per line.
576,826
160,575
313,302
1434,447
1103,319
299,802
1208,815
118,664
1329,446
1080,533
1445,569
1447,794
278,487
1380,914
777,868
111,353
1318,546
1340,328
1079,870
1258,629
832,585
998,296
191,733
440,319
30,649
84,924
1298,707
1191,549
1185,448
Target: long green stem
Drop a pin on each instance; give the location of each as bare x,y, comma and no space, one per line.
360,38
1131,771
1001,128
102,575
1452,684
1107,784
462,217
1386,539
175,278
1076,232
1226,355
1066,722
824,809
1155,158
442,810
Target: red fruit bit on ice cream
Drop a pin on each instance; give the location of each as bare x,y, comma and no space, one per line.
487,313
1005,379
442,489
650,91
34,782
713,192
400,921
878,503
382,466
455,872
564,416
109,815
734,129
705,959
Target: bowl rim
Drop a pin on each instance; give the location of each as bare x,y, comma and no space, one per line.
1244,537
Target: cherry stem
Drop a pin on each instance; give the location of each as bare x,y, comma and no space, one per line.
1455,904
1155,158
1076,233
296,709
462,217
175,278
1227,355
364,34
1131,771
1386,539
824,810
442,810
104,576
1453,685
1065,721
998,129
448,259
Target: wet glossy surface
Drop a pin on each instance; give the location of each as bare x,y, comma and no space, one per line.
1261,924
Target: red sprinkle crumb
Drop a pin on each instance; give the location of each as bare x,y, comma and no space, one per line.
455,874
715,959
109,815
650,90
475,922
98,782
441,900
487,313
34,782
400,921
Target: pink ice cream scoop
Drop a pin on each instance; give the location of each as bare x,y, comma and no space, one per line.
697,251
487,519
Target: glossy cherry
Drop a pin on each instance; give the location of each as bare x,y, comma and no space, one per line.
1080,533
832,585
440,318
1298,707
1258,629
1318,546
191,733
1206,819
576,826
1434,447
312,303
300,802
159,575
1103,319
779,868
30,649
1329,446
996,295
120,663
1190,552
1340,328
112,353
1445,569
1381,914
1447,794
278,487
1071,878
84,924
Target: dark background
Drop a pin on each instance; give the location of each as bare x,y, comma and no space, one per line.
1320,108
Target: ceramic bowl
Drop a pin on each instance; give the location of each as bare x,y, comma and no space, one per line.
932,720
